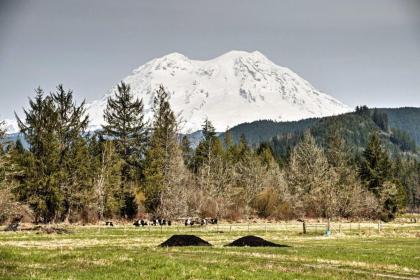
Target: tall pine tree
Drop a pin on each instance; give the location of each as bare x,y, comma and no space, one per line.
125,125
160,165
209,147
375,167
376,173
41,186
56,169
74,161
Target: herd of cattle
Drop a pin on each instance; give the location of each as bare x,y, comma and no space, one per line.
163,222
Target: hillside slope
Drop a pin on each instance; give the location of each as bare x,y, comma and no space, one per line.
354,128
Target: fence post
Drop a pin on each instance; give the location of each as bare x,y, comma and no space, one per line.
304,227
359,227
379,226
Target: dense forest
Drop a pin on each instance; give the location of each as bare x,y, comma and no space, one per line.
396,121
361,165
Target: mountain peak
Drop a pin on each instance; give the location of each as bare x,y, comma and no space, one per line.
233,88
174,56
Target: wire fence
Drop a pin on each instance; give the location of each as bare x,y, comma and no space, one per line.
308,228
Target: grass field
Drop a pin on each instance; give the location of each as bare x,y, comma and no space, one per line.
125,252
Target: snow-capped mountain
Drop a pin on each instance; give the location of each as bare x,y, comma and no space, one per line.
10,126
233,88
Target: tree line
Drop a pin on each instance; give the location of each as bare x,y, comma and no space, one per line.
133,167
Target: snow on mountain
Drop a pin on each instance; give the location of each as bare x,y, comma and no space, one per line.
10,126
233,88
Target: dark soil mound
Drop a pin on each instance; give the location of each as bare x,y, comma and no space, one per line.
184,240
254,241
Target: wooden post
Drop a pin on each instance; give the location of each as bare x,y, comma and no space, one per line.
379,226
304,227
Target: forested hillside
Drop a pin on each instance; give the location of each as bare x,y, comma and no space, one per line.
407,119
400,129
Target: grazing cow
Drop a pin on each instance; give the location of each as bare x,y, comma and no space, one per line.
109,223
138,223
189,222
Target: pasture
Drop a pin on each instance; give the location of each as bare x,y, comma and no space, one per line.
353,251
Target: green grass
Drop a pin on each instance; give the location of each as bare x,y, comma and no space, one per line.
132,253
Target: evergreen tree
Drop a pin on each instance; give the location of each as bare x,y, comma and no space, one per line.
363,111
375,167
243,148
230,148
208,147
55,172
74,161
159,164
41,187
125,126
265,152
376,173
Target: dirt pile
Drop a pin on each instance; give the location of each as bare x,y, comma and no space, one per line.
184,240
253,241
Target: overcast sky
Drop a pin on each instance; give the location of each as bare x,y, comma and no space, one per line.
361,52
